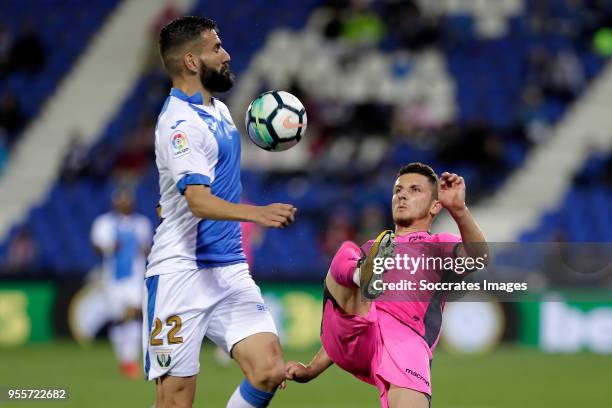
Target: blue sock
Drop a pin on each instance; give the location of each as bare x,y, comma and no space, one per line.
247,396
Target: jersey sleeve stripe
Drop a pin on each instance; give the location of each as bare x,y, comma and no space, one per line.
192,179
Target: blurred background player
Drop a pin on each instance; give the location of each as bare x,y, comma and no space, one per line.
198,282
122,237
389,344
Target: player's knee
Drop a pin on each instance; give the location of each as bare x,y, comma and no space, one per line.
344,263
272,378
269,376
349,250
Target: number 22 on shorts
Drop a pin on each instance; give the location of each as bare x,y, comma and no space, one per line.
176,323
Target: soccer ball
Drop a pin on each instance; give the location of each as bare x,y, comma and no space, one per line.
275,120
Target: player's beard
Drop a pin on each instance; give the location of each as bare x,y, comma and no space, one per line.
407,221
217,81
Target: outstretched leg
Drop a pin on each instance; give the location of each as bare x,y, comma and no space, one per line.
351,270
341,281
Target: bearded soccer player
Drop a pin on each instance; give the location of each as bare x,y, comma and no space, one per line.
389,344
197,281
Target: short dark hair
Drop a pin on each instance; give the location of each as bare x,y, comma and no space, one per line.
424,170
179,33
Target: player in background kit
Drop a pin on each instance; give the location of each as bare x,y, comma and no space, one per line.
122,237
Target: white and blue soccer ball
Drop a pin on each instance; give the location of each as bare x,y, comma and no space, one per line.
276,121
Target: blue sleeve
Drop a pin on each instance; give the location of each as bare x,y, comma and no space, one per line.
192,179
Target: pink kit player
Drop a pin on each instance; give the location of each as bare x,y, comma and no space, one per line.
378,338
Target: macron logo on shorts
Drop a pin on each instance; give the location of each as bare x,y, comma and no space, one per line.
417,375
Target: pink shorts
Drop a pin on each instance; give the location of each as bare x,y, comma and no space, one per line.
377,349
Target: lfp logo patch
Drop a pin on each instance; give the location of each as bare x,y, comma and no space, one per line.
180,146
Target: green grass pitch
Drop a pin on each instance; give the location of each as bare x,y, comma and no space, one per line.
508,378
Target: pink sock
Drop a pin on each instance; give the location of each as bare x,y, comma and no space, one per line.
344,263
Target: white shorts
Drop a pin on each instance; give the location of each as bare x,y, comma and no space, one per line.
179,309
122,295
100,301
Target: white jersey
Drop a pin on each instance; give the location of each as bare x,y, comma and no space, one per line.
195,144
123,240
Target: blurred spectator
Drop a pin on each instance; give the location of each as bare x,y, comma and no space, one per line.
602,42
597,170
144,133
6,44
596,25
339,156
566,77
371,222
361,26
531,104
607,173
168,13
139,153
12,119
152,59
3,151
333,28
532,115
22,252
338,228
537,66
132,161
76,160
337,4
101,162
480,145
334,12
560,76
371,117
413,117
28,53
409,27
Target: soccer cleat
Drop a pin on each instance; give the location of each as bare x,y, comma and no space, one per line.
383,247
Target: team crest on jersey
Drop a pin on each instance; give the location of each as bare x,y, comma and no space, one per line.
163,357
180,145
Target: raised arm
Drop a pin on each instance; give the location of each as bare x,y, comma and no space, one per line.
301,373
452,197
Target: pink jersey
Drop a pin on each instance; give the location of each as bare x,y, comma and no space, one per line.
393,343
424,313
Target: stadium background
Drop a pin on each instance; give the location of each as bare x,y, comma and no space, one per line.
514,95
